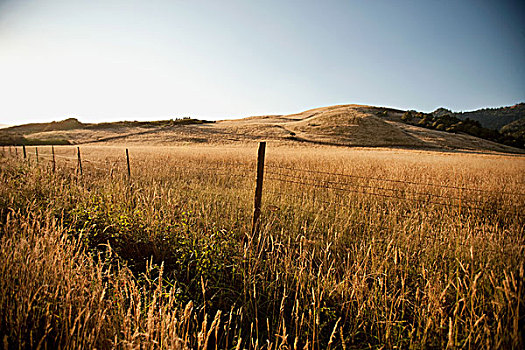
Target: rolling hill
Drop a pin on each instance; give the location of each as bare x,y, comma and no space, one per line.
342,125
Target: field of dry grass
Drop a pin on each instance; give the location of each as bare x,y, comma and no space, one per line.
357,248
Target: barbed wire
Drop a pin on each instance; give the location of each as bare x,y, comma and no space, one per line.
317,185
337,204
397,215
66,157
205,168
344,205
401,191
90,163
392,180
178,166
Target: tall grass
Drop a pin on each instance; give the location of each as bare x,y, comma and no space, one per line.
167,260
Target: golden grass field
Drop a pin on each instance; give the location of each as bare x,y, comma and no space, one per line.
357,248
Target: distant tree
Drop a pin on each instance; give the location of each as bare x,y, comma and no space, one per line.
407,116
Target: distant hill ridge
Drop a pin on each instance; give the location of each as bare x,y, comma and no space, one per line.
67,124
57,132
491,118
73,123
342,125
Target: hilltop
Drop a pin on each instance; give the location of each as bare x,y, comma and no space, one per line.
341,125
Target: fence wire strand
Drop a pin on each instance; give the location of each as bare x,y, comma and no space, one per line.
401,191
426,201
391,180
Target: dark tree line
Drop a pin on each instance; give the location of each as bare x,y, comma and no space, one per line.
468,126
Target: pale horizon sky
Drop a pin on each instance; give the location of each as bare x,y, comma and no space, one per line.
107,60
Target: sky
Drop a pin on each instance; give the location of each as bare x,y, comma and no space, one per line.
106,60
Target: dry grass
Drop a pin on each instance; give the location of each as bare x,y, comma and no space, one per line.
167,260
344,125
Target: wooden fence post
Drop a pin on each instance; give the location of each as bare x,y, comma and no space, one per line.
24,149
258,186
79,161
54,161
36,153
16,152
127,160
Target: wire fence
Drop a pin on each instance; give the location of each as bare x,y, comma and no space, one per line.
392,193
407,182
330,192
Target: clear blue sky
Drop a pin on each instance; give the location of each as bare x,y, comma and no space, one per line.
102,60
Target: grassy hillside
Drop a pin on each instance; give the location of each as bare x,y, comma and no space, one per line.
66,124
344,125
71,131
516,128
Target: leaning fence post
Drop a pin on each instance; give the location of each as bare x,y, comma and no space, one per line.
127,160
258,186
54,161
24,149
79,161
